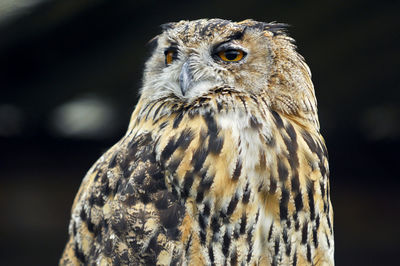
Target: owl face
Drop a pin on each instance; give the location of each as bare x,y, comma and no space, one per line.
193,57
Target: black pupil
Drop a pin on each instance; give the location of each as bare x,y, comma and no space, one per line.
231,54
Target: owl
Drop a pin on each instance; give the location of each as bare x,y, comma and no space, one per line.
222,162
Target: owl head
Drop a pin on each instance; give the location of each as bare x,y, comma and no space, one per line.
192,58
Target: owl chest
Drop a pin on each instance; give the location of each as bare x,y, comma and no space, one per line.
218,177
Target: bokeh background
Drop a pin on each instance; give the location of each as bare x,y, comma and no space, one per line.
69,78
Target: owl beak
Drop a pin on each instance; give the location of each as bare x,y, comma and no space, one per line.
185,78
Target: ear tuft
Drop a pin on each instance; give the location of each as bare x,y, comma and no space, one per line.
168,26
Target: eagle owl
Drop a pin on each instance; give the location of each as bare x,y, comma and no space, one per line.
222,162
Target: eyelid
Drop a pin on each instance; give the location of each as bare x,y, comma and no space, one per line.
227,46
171,48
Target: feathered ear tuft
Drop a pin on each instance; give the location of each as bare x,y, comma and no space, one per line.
153,41
273,27
164,27
168,26
276,28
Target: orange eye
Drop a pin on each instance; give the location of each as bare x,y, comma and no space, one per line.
231,55
170,55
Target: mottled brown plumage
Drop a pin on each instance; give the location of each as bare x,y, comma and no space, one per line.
222,163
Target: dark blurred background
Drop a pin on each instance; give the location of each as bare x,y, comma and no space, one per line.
69,78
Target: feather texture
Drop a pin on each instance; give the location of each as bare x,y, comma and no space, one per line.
221,178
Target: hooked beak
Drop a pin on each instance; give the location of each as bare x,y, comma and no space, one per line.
185,78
